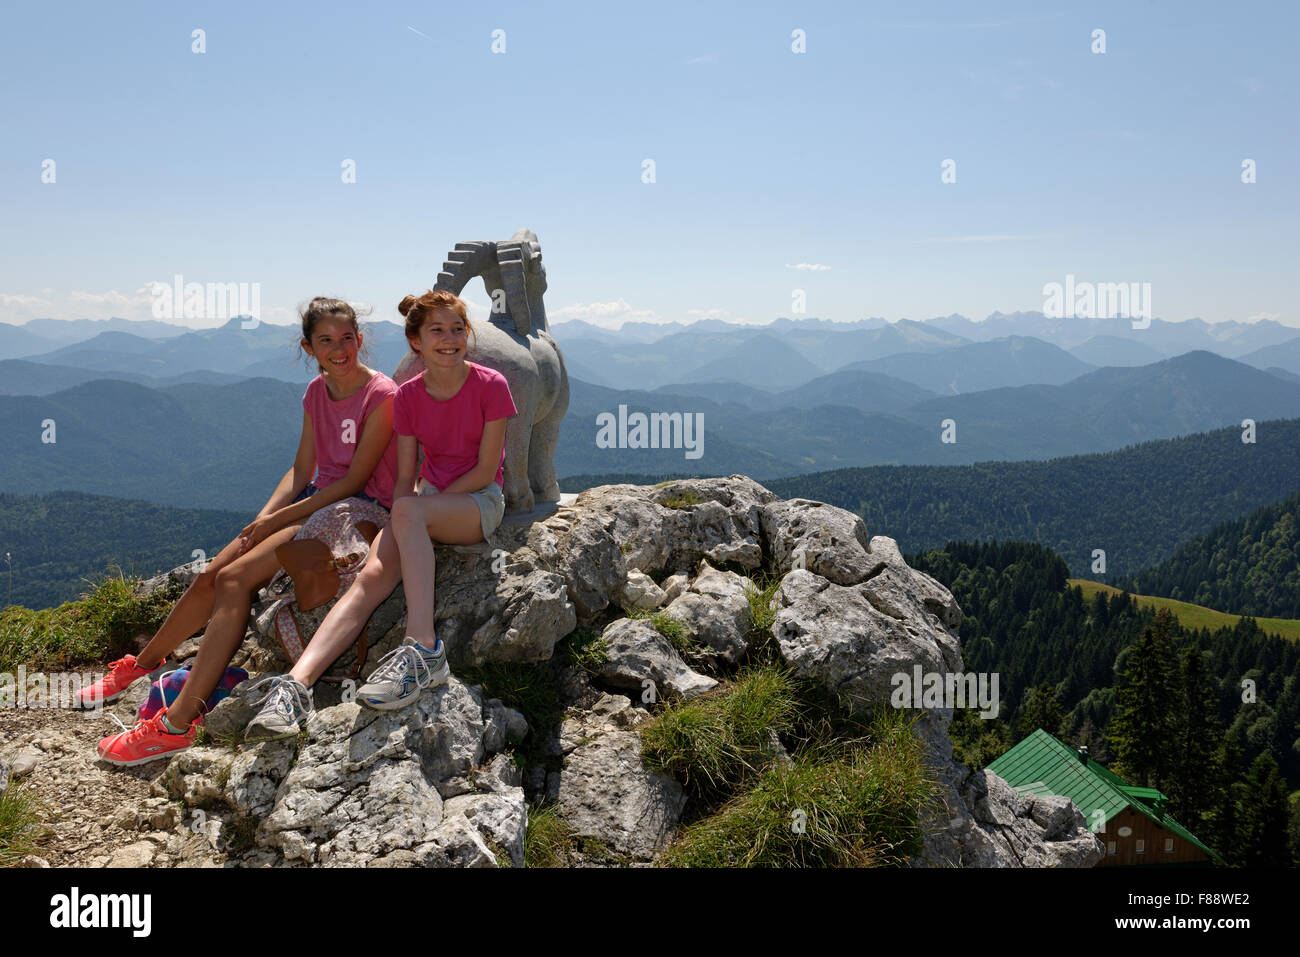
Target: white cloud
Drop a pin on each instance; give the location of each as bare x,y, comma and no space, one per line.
113,299
1275,316
24,302
707,58
607,315
813,267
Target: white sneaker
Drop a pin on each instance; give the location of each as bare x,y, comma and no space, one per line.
402,674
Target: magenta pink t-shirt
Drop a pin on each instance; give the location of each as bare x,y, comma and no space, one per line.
450,431
337,428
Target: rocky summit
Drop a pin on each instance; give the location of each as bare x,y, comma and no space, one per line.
438,784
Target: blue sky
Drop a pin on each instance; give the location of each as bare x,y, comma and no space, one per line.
225,166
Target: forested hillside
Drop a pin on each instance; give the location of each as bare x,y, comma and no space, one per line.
51,544
1138,504
1210,718
1248,566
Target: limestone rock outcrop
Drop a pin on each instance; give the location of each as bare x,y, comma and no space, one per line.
433,784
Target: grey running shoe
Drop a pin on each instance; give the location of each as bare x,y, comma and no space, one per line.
286,707
402,674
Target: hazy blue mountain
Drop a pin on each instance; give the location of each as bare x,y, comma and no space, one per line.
727,443
21,377
860,389
1107,409
1283,374
265,350
193,446
1230,339
722,393
1012,361
647,365
65,331
1116,351
761,361
17,341
856,388
224,446
40,336
831,346
1283,355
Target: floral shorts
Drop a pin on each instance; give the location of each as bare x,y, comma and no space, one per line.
490,500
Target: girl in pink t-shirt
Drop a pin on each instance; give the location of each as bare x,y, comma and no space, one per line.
347,446
456,412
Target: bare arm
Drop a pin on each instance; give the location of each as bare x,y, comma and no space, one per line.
408,469
489,459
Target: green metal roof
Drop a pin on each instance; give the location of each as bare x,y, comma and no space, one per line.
1041,765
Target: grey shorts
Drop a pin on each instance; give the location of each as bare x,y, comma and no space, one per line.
490,500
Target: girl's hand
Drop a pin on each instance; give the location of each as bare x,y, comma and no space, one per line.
255,531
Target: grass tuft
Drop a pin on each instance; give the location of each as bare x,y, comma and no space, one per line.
835,804
21,828
549,840
101,625
586,648
763,644
682,500
714,743
677,634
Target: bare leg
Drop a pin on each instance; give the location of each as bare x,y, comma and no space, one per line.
190,613
350,613
453,519
235,586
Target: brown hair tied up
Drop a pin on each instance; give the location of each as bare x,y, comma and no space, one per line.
418,309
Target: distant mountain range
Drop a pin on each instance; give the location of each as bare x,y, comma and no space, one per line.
1002,350
225,445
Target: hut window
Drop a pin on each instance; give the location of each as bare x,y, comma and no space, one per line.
1141,846
1169,845
1110,847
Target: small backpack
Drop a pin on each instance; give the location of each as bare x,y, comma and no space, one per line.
164,690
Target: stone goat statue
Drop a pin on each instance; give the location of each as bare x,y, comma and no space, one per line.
516,341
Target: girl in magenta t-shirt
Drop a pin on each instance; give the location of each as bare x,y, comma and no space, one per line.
347,448
456,412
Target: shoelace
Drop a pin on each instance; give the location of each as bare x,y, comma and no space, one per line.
287,696
404,658
143,721
121,663
140,726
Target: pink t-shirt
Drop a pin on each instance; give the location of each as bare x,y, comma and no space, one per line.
450,431
337,428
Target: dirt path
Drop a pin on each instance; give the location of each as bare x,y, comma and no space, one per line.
97,815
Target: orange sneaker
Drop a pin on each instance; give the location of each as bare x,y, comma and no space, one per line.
147,741
121,675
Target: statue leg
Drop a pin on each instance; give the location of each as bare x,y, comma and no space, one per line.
546,435
541,454
518,495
